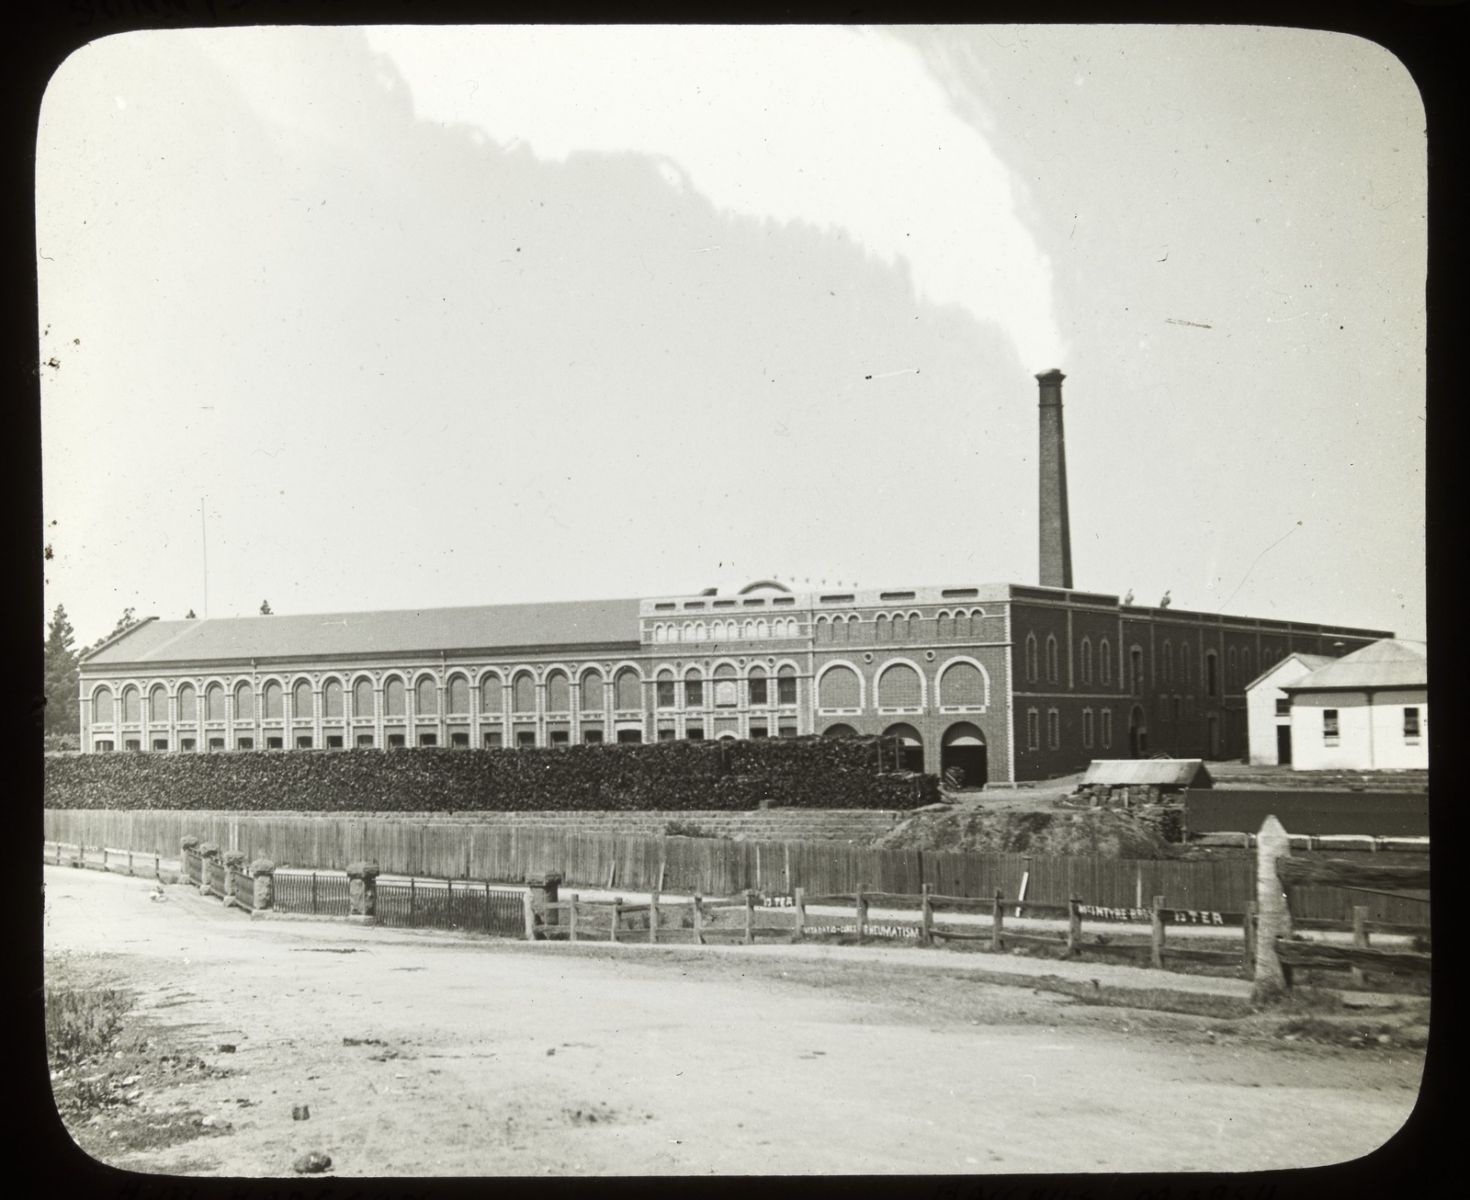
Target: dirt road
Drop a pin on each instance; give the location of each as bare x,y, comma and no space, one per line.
477,1057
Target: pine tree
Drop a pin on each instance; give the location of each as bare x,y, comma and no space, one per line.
189,616
62,707
265,608
124,622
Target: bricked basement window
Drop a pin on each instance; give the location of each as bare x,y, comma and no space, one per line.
492,740
787,731
103,747
334,741
271,743
187,745
240,744
1411,724
162,743
304,742
593,737
459,741
666,735
757,731
132,744
560,737
525,739
216,744
364,741
630,737
395,741
694,733
1329,726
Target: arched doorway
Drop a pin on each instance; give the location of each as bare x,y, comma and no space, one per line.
837,731
1137,733
910,746
963,749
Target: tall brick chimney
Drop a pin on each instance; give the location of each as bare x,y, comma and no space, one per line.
1056,534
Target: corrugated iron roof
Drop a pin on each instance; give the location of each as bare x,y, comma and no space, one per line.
1310,661
1166,772
1393,662
572,622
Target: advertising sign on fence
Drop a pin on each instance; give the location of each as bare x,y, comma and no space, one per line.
878,931
1171,916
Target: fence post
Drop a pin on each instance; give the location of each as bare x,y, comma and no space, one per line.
572,919
528,914
749,917
1273,916
1074,924
860,904
799,899
130,862
542,891
653,918
262,872
1156,935
926,917
1248,927
997,923
698,921
617,911
1360,938
412,898
362,889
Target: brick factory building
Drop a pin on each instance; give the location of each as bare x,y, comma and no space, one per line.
1006,681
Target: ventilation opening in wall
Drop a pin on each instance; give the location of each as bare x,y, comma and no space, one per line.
845,599
898,595
960,593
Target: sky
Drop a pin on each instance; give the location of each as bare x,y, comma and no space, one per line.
411,317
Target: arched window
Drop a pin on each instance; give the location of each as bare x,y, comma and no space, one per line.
158,703
492,694
592,692
962,684
393,697
760,692
699,631
693,689
900,687
964,624
1168,663
665,691
1186,668
1231,669
839,629
188,703
362,698
840,687
523,693
786,685
1031,668
822,629
332,698
944,624
882,630
1053,671
1135,669
244,702
130,704
628,689
426,696
762,629
102,705
301,699
459,695
900,627
1212,673
1105,662
558,693
1086,657
214,702
272,697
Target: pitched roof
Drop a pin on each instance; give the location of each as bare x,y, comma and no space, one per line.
1393,662
416,631
1308,662
1168,772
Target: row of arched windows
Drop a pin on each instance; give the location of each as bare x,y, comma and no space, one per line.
899,626
151,706
751,629
962,683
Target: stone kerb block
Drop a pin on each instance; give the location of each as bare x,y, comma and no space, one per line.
362,889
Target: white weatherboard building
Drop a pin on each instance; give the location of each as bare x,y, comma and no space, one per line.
1366,710
1268,707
